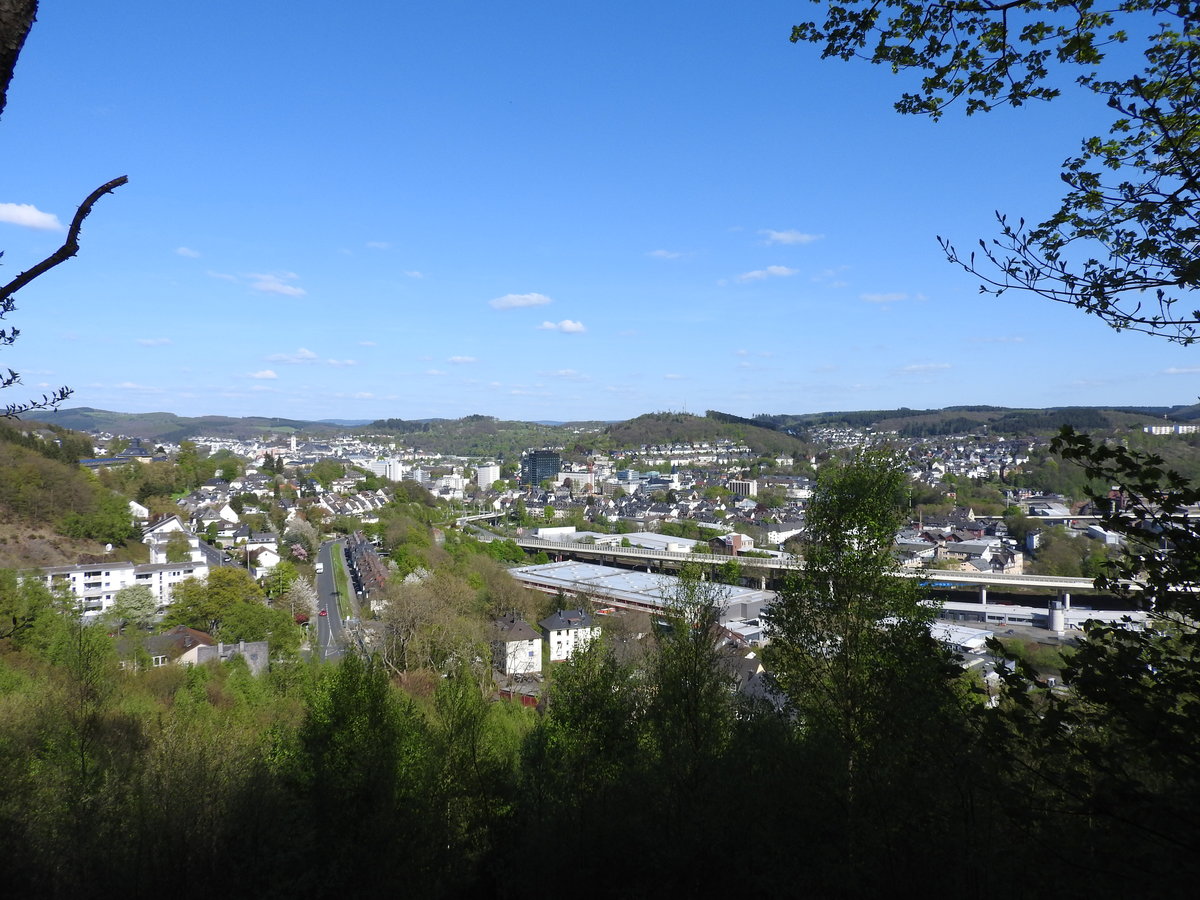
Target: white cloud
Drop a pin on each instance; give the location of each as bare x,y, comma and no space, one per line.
672,376
342,362
29,216
133,386
665,254
567,326
768,272
379,245
363,395
221,275
461,360
367,344
1182,370
265,374
153,342
272,283
924,367
188,252
883,298
303,355
516,301
413,273
789,237
434,372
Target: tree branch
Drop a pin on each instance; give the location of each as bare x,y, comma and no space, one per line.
70,246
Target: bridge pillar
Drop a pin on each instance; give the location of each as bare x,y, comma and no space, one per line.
1065,598
983,594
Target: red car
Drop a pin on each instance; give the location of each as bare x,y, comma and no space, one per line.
323,612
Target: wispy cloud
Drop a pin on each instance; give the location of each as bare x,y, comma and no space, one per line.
1182,370
461,360
568,375
566,325
367,344
673,376
277,283
917,368
154,342
434,372
303,355
413,273
264,374
379,245
223,276
29,216
133,386
341,362
789,237
516,301
768,272
883,298
188,252
665,254
996,339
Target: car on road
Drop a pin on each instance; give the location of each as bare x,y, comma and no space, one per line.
323,612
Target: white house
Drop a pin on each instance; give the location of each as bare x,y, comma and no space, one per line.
516,647
567,630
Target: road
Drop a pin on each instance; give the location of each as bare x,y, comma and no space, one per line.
331,637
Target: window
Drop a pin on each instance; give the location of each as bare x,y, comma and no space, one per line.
159,661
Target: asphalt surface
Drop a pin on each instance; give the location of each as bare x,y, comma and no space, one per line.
331,635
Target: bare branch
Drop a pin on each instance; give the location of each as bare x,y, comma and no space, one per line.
70,246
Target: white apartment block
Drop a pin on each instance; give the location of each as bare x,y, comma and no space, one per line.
95,584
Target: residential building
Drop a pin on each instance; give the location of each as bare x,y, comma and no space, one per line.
95,584
516,647
567,630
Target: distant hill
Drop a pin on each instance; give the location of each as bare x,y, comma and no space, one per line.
992,419
479,435
679,427
165,426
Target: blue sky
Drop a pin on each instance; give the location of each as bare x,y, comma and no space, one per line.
530,210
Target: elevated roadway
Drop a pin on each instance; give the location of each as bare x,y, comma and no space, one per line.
778,565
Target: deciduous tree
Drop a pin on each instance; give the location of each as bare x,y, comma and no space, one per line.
1122,244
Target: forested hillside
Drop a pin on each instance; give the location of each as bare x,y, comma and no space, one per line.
677,427
43,488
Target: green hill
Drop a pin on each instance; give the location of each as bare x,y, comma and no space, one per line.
48,500
678,427
165,426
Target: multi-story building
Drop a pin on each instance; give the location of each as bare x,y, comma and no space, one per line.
95,584
539,465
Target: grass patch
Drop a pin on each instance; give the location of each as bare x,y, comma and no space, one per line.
341,581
